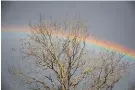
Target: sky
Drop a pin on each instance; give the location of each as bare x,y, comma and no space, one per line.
112,21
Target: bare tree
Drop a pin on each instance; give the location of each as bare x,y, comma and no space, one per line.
64,60
60,56
105,69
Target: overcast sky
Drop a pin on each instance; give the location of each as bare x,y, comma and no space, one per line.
112,21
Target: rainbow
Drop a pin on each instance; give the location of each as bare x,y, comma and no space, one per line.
89,40
104,44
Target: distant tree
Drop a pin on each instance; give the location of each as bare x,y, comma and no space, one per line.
105,70
132,86
64,61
